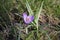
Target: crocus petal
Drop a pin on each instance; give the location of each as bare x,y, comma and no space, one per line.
27,19
30,19
24,16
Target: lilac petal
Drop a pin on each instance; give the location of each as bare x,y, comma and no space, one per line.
24,16
27,19
30,19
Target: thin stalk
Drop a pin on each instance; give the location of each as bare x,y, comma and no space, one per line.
37,30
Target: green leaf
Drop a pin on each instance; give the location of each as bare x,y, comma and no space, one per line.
29,8
38,13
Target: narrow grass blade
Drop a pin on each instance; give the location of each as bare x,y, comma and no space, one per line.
38,14
29,8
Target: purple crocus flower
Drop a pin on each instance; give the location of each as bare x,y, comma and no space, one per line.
27,19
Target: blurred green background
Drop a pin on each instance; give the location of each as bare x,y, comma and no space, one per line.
9,7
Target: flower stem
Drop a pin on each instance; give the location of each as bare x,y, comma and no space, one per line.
37,30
